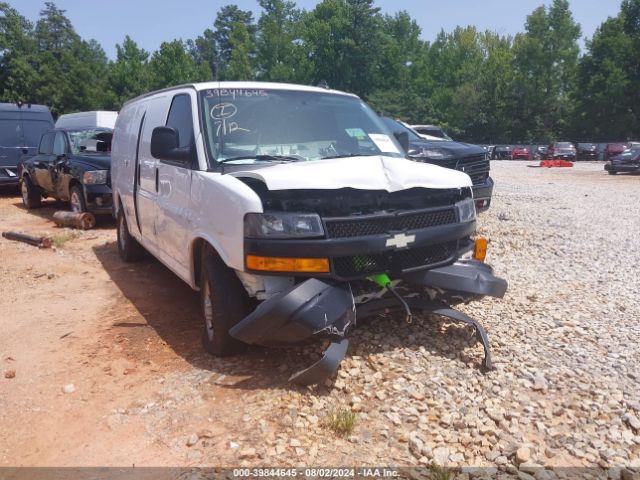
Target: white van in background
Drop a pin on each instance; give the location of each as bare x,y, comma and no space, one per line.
95,119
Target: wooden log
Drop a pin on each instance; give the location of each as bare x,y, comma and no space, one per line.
84,221
41,242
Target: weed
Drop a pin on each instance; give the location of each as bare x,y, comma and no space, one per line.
341,420
439,473
60,239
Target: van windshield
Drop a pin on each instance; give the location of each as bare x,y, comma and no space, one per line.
254,125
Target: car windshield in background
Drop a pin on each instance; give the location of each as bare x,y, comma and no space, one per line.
398,127
248,126
564,145
90,140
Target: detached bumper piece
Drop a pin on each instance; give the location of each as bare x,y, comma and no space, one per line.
319,308
310,308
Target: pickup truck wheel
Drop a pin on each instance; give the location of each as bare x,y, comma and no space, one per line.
612,172
128,247
224,303
76,199
31,197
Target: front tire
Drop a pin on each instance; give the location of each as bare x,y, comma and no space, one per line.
612,172
224,303
76,199
31,197
128,247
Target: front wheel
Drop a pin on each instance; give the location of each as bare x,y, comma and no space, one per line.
31,197
224,303
128,247
76,199
612,172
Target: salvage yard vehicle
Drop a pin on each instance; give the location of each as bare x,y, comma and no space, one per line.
468,158
295,212
21,126
586,151
561,151
70,165
520,152
614,149
626,162
502,152
427,131
93,119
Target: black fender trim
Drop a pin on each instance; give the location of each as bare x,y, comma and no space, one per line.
303,310
323,368
464,276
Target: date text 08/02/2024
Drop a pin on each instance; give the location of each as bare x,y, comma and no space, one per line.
315,472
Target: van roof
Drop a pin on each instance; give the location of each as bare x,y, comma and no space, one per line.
247,86
26,107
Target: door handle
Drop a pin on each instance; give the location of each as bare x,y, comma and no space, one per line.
157,179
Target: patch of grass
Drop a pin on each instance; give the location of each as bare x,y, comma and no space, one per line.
341,420
439,473
59,239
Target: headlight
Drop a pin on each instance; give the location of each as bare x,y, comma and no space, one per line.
436,154
282,225
95,177
466,210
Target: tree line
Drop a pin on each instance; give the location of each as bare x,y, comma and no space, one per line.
482,87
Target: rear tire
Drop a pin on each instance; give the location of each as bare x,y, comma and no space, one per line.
31,197
128,247
224,303
76,199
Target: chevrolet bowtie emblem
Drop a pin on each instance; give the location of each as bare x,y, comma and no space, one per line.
400,240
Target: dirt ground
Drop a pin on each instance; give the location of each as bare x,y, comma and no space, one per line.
78,315
127,336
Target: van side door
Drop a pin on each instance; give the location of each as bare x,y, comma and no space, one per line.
148,175
174,218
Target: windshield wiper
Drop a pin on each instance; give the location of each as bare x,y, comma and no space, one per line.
262,158
349,155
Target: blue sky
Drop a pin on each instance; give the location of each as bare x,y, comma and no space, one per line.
150,22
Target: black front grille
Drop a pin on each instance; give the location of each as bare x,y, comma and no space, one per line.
477,167
376,225
393,261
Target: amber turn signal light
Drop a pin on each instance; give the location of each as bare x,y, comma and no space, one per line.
480,249
286,264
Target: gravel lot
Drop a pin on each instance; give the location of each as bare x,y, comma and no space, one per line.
565,391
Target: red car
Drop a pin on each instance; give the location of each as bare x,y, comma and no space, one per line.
520,153
614,149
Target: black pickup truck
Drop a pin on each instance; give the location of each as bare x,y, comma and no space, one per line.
470,159
71,165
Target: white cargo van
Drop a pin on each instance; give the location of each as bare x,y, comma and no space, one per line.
294,211
94,119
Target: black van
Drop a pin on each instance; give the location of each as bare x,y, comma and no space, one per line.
21,126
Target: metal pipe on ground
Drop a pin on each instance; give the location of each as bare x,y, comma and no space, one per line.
80,220
41,242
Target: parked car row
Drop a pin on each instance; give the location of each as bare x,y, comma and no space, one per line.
559,150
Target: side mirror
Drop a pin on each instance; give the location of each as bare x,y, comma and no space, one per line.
164,146
403,139
25,150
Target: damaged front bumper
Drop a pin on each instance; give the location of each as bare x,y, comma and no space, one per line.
321,308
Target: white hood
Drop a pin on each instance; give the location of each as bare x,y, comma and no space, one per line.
364,173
